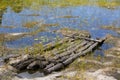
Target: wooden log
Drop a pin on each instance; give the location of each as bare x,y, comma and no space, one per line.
71,59
49,66
73,45
43,64
26,61
85,47
23,66
37,64
52,45
10,56
68,61
19,59
39,57
89,39
54,68
33,65
63,58
73,49
52,62
81,50
63,55
90,48
87,50
70,45
60,65
58,61
69,51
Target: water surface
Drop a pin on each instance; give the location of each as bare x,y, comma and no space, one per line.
89,18
29,17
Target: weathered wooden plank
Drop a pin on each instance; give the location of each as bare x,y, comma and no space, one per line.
54,68
37,64
72,58
58,62
10,56
71,50
89,39
49,66
85,47
33,65
19,59
61,65
52,45
64,57
70,46
68,61
23,66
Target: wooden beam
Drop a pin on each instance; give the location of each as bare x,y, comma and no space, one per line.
89,39
72,58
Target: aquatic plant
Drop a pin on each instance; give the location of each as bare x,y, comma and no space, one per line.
30,24
35,49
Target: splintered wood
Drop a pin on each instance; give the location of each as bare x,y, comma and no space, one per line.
78,46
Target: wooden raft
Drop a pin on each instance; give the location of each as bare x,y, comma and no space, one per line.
59,61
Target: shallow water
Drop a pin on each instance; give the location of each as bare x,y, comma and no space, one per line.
90,18
82,17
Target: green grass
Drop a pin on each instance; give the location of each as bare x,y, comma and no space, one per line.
18,5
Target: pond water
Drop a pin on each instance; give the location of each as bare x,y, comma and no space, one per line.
90,18
46,19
